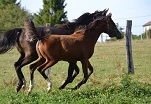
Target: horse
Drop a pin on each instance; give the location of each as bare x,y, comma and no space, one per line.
53,48
27,47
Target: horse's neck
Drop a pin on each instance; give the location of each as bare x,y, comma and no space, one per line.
92,35
40,30
60,31
53,30
68,26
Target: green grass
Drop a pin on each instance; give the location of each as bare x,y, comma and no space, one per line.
108,84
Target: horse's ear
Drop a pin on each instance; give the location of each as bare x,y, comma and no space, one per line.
109,15
107,10
104,12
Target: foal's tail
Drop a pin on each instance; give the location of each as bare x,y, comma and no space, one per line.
8,39
31,29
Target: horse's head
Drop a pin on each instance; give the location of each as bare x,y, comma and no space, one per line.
111,28
30,30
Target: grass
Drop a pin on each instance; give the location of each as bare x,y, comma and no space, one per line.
108,84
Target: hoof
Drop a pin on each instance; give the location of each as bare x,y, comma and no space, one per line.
75,88
28,92
48,90
23,88
61,87
18,88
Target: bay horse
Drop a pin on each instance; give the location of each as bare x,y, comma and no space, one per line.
78,46
27,47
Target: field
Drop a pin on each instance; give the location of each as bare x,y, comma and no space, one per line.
109,84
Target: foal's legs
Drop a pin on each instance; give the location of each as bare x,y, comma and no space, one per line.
42,65
33,67
70,78
42,69
85,65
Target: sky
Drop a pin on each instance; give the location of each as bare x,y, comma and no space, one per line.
139,11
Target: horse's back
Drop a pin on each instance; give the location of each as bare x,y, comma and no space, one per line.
64,47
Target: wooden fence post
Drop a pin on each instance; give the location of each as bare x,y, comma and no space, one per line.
47,24
49,69
129,47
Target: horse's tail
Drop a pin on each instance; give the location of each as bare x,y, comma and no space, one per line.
7,41
29,26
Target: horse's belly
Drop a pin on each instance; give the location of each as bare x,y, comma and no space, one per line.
70,57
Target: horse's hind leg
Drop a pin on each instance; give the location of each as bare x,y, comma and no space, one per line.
42,69
33,67
70,78
20,75
24,60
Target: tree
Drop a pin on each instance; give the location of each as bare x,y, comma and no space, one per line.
52,12
120,29
11,15
4,3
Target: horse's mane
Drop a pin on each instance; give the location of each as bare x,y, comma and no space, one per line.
89,27
81,28
74,22
80,20
85,16
82,17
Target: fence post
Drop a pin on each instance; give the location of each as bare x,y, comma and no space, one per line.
129,47
47,24
102,38
49,69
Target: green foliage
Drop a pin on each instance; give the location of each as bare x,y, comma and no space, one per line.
134,93
12,15
125,81
120,29
52,12
4,3
135,37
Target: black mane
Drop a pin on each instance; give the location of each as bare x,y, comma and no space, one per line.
75,22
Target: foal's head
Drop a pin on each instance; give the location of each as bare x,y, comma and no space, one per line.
105,24
110,27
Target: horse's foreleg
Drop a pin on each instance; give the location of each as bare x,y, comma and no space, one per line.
70,72
90,68
85,72
76,73
70,78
